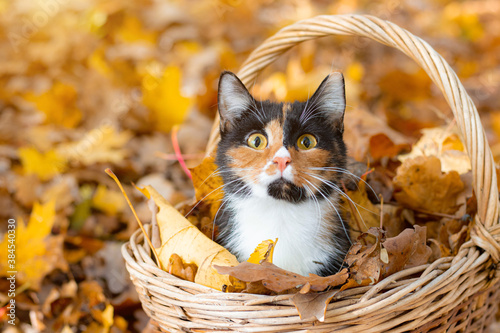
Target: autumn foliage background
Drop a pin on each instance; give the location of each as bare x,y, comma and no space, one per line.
89,84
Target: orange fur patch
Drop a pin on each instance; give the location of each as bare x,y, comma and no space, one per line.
302,160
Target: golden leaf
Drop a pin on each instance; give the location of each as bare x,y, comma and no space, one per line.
58,104
37,251
263,251
100,145
44,165
108,201
419,184
163,97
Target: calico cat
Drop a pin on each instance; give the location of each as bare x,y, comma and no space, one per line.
282,167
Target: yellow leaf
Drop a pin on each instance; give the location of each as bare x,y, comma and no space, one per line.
445,144
37,251
208,184
107,316
108,201
44,165
101,145
133,31
58,104
364,214
179,236
263,251
163,97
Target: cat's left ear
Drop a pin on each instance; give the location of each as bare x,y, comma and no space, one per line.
329,99
233,99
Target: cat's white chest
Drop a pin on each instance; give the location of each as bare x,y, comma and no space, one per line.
304,241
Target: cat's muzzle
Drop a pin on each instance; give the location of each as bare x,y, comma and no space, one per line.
283,189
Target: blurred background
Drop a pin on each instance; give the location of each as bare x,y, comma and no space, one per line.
88,84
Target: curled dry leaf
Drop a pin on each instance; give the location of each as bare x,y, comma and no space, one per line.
371,263
313,305
179,236
419,184
279,280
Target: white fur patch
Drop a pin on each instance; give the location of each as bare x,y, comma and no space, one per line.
304,239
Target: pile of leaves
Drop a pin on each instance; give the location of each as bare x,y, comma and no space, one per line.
88,85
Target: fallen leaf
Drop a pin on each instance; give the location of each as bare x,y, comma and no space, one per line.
312,306
406,250
208,185
263,252
419,184
100,145
382,146
279,280
58,104
164,99
109,201
37,251
176,266
44,165
445,144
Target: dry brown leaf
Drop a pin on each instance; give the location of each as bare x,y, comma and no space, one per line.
312,306
371,263
419,184
406,250
279,280
382,146
176,266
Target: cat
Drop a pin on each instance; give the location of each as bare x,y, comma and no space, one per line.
282,167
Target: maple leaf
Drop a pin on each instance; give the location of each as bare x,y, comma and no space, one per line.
420,184
37,251
176,266
44,165
164,99
58,104
100,145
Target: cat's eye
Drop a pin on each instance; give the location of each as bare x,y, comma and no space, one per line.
257,141
307,141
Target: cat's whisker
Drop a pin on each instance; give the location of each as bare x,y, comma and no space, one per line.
347,172
317,206
333,206
218,188
339,190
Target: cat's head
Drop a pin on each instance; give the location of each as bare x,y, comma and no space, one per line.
287,151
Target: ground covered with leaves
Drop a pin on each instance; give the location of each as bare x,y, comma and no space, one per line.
89,85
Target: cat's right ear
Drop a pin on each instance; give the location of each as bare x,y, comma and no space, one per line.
233,99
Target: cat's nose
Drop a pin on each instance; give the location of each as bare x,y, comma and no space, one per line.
282,162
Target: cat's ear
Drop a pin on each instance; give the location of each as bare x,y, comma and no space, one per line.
233,99
329,99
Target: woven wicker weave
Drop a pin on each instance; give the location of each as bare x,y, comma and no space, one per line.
453,294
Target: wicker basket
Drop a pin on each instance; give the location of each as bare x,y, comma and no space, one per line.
453,294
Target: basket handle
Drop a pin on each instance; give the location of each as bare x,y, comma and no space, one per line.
486,232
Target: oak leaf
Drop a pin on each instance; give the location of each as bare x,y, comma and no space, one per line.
279,280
